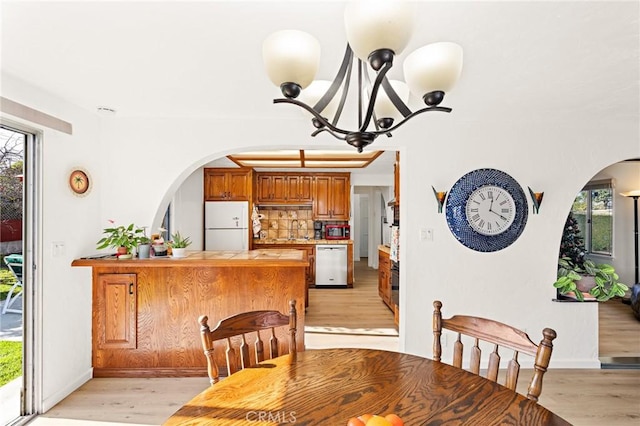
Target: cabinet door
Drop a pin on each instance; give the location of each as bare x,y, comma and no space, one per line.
384,277
115,313
264,189
215,185
300,189
279,189
322,205
340,195
238,186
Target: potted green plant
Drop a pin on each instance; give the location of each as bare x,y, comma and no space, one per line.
144,247
123,238
179,244
598,280
579,277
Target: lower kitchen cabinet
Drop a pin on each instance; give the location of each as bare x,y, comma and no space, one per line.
384,277
114,320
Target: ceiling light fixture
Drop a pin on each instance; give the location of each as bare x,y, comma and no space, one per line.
376,32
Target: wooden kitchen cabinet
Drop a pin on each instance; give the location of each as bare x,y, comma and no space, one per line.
384,277
223,184
270,189
284,188
300,188
114,320
332,196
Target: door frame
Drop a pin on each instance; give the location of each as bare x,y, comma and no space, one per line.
31,394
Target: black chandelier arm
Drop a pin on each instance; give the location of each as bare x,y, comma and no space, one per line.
345,89
374,93
344,71
324,129
409,117
313,112
395,99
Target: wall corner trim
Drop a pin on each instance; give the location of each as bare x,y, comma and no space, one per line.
10,107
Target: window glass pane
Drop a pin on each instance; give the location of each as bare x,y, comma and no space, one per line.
579,210
601,220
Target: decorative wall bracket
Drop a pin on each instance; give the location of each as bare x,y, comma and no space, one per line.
440,196
536,198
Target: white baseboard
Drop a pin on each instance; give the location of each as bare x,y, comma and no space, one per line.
49,402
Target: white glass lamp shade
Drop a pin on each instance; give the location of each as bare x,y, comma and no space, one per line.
377,24
383,107
434,67
312,94
291,56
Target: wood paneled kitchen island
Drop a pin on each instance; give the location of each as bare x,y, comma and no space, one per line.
145,311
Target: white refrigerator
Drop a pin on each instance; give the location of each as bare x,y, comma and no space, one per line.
226,225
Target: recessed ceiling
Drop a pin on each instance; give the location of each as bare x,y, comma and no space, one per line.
295,158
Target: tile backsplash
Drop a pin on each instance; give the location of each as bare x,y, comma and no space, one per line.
286,222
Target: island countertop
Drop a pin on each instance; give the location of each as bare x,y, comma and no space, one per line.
254,258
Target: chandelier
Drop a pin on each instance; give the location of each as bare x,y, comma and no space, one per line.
376,32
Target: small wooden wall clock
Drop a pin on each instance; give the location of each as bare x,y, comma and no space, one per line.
486,210
79,182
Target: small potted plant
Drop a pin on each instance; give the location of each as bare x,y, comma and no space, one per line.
123,238
179,244
144,247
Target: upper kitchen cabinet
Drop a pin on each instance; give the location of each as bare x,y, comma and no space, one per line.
300,188
332,196
284,188
222,184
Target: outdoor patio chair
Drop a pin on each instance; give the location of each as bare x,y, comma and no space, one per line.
14,263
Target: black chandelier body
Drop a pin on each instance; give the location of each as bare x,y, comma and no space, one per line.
381,61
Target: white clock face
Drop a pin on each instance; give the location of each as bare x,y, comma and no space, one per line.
490,210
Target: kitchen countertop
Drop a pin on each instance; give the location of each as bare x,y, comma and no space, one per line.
271,257
298,241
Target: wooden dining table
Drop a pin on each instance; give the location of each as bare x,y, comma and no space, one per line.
329,386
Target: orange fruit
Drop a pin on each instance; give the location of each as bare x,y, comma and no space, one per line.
378,421
354,421
394,419
365,417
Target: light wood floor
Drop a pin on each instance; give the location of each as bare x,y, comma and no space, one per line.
582,397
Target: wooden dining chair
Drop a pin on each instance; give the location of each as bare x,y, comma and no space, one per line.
247,325
500,335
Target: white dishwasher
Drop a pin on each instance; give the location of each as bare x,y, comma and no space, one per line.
331,265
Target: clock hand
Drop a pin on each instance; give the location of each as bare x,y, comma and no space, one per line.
501,217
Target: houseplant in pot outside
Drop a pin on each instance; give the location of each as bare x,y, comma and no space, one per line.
122,238
179,244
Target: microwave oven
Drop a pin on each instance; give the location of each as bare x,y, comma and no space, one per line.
337,232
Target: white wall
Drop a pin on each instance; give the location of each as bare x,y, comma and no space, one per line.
64,294
512,285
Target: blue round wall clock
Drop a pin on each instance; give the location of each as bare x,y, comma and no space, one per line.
486,210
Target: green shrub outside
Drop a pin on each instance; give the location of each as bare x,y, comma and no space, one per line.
10,361
602,226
